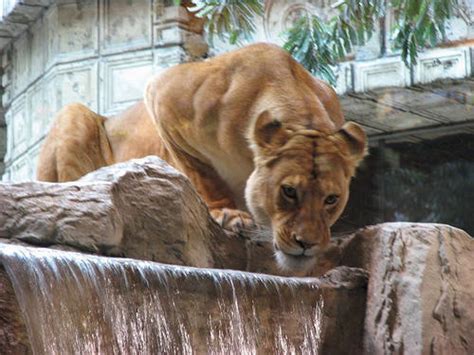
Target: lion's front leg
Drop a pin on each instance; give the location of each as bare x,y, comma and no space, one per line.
233,219
219,199
214,191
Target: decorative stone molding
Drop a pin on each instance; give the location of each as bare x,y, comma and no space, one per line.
16,16
167,57
123,78
18,129
442,64
344,78
22,61
38,111
380,73
21,169
125,25
176,26
281,15
77,82
73,31
38,40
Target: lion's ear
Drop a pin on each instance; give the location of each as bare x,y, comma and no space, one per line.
269,132
356,141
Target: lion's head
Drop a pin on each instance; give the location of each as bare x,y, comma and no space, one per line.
300,185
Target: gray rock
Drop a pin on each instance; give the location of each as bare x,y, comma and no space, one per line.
141,209
421,292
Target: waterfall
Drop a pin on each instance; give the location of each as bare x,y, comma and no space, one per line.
74,303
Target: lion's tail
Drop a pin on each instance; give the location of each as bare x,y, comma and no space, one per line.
76,145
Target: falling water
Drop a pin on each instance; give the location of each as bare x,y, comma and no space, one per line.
76,303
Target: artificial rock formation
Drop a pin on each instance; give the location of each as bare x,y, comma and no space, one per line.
420,290
13,336
143,209
420,296
162,309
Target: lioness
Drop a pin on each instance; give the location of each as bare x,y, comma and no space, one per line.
253,131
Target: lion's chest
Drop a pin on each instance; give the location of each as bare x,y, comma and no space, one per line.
235,171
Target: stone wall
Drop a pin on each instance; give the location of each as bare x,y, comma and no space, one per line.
102,52
98,52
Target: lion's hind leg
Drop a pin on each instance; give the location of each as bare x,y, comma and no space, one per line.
76,145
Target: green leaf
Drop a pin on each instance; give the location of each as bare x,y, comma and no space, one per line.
234,35
230,20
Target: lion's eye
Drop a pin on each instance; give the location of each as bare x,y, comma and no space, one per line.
331,199
289,192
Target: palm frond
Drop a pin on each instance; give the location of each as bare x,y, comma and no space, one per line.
230,20
319,45
420,24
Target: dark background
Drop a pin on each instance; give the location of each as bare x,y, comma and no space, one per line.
429,181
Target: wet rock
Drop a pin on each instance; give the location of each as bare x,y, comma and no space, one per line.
13,336
114,305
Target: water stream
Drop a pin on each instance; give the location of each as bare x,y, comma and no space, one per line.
81,304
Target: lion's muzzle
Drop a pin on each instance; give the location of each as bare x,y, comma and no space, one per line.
297,252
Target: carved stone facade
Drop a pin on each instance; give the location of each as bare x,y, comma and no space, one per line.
102,52
98,52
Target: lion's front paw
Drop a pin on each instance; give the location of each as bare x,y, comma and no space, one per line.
234,220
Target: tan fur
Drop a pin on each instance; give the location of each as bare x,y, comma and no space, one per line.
240,126
74,147
81,141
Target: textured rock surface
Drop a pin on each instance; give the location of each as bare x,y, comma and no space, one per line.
143,209
420,296
13,337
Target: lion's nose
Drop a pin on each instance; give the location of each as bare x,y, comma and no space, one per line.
302,242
